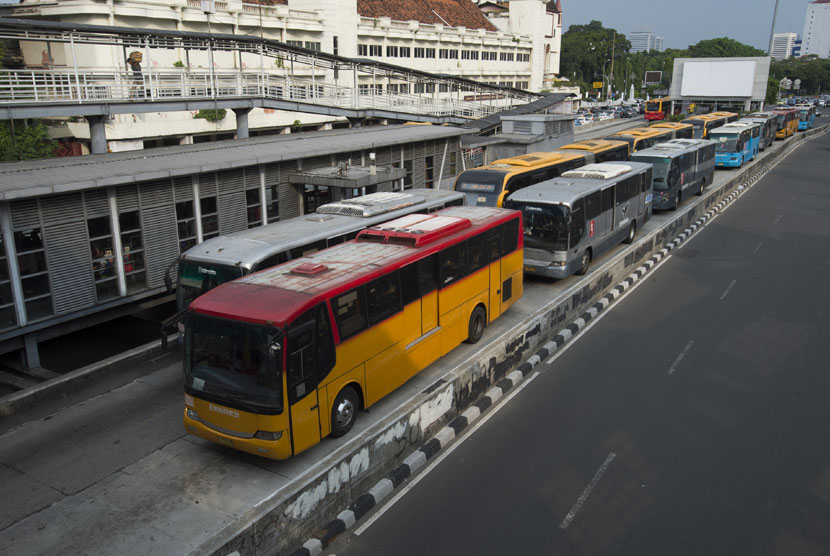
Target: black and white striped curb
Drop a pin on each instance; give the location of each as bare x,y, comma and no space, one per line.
383,488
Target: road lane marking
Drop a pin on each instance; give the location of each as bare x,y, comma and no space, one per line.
777,220
458,442
587,492
758,248
680,357
727,289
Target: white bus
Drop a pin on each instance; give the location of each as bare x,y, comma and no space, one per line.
568,221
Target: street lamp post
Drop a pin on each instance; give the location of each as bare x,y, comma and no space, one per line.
605,77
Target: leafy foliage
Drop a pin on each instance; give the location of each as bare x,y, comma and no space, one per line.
585,48
813,72
22,141
212,115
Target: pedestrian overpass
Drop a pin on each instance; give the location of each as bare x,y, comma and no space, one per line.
268,74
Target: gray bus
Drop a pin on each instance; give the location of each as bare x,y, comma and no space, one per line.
769,126
224,258
570,220
682,167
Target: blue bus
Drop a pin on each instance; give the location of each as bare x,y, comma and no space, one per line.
736,143
806,116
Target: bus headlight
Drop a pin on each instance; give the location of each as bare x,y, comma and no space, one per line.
558,263
191,414
268,435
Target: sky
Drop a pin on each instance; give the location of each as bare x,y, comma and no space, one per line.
683,23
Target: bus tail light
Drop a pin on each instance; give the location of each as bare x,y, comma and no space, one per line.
268,435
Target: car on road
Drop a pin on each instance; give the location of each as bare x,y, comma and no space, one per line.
582,120
605,116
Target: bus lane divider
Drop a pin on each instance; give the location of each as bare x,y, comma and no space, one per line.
549,337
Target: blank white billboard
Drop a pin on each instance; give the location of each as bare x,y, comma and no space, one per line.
718,79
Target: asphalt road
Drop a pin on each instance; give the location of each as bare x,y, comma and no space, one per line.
690,420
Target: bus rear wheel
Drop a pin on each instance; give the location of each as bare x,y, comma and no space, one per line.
344,411
584,262
676,201
632,231
702,185
478,320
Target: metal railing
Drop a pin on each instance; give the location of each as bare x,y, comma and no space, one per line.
100,86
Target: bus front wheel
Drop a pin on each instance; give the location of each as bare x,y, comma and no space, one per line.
344,411
478,320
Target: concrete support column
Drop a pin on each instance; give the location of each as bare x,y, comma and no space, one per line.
30,352
241,122
97,133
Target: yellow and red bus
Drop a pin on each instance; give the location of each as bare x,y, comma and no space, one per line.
279,359
658,108
679,130
787,122
489,185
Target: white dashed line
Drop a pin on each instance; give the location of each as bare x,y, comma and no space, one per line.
681,357
727,289
587,492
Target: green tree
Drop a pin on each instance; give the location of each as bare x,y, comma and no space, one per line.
722,48
772,92
20,140
587,50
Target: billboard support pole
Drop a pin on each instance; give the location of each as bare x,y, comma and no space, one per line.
772,29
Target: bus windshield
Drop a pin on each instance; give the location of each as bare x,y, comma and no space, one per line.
726,142
545,226
653,106
197,278
804,115
662,171
236,362
480,181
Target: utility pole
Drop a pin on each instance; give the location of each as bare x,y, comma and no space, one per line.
772,30
611,77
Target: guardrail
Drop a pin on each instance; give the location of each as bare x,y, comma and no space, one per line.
102,86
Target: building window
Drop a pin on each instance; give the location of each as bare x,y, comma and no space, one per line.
424,88
403,88
448,54
210,217
272,201
362,50
34,275
294,43
469,54
407,180
254,206
314,196
522,84
186,224
522,57
391,51
103,260
312,45
133,248
374,50
505,56
8,318
404,52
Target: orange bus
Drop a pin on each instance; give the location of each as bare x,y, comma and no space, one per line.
658,108
279,359
640,138
787,121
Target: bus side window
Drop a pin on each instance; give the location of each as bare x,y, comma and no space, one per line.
645,181
455,203
273,260
335,240
428,274
383,297
453,263
350,312
509,232
608,199
477,252
494,245
410,290
300,360
325,342
517,182
576,225
593,205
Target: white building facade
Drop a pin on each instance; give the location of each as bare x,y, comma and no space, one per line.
782,45
519,47
816,35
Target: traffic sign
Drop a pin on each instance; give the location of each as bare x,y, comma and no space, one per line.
597,84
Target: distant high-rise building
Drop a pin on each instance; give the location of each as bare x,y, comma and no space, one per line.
658,44
816,35
643,40
797,48
783,45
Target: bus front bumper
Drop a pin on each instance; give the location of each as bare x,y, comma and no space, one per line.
549,269
732,160
272,449
662,200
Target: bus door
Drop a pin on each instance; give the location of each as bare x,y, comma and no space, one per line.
605,221
428,282
310,357
494,254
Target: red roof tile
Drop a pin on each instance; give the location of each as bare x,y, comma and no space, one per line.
456,13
